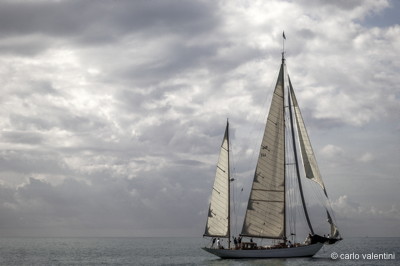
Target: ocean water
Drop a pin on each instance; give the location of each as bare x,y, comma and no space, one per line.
178,251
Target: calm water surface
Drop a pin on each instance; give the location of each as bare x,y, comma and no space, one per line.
173,251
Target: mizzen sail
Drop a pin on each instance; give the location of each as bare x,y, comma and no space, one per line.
218,212
266,205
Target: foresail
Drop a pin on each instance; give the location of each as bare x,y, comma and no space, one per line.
309,161
266,206
218,212
334,229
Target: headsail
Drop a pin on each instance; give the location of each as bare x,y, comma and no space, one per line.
309,161
218,212
334,229
266,205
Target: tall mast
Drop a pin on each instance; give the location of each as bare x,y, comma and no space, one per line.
297,161
283,45
284,140
229,187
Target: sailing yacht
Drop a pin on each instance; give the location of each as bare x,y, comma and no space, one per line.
266,214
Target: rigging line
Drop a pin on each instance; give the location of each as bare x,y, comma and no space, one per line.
329,206
232,176
293,205
320,197
299,154
288,179
296,200
297,167
236,196
299,212
288,161
293,196
234,206
294,193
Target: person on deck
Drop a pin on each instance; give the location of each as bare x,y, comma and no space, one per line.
308,239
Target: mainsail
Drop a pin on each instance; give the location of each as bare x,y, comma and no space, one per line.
266,206
309,161
218,212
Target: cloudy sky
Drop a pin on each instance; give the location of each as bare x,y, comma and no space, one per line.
112,112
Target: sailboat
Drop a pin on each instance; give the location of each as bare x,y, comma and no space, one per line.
266,215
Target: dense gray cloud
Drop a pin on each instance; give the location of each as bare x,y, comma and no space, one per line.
112,112
93,23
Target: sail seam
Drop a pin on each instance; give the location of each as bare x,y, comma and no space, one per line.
269,190
268,200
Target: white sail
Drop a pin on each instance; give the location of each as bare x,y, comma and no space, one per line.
309,161
334,229
218,212
266,205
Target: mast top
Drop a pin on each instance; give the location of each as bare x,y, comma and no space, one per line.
283,47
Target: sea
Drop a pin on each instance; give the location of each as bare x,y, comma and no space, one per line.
179,251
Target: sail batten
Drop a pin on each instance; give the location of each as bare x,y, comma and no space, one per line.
218,213
266,206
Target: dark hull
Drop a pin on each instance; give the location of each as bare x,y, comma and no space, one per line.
301,251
